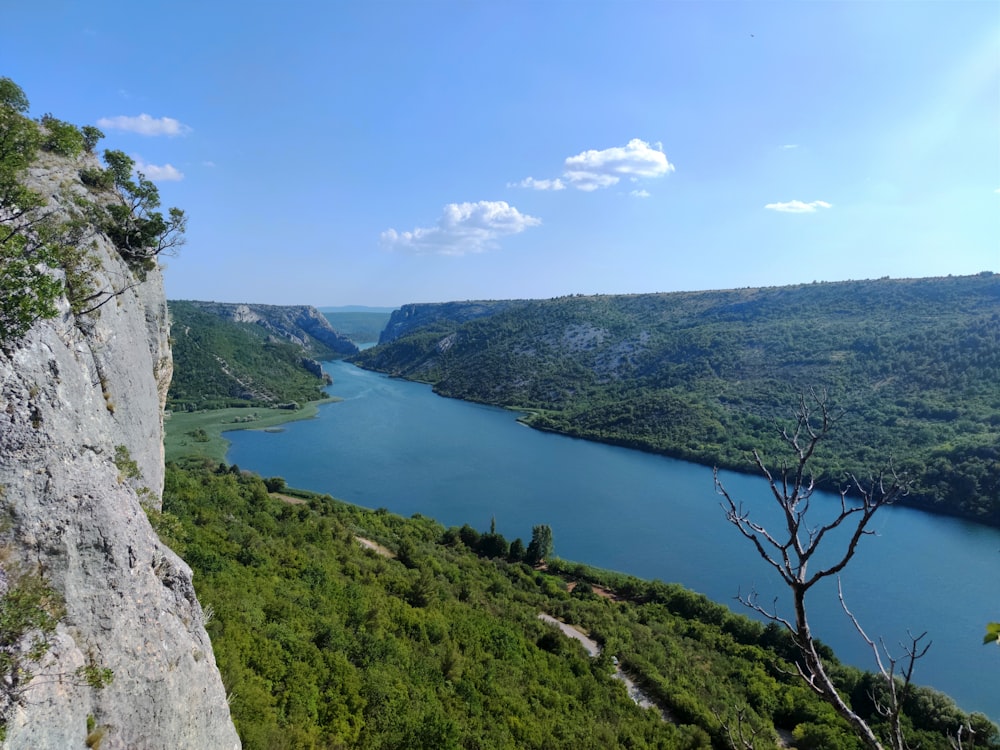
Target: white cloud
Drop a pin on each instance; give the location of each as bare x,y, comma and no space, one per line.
533,184
166,173
463,228
798,207
590,181
640,193
145,125
790,145
592,170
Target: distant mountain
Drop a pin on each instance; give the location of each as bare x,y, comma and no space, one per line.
708,376
355,309
245,354
359,327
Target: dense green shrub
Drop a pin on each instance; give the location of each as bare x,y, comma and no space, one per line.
61,137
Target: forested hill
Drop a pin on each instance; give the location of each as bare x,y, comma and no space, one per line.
323,642
249,355
707,376
411,317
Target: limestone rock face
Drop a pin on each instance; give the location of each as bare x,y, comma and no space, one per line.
300,324
413,316
80,398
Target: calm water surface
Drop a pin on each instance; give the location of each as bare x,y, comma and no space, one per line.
395,444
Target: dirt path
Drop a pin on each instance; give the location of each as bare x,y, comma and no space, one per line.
374,546
367,543
598,590
288,499
594,649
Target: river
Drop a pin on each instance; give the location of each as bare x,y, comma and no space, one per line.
395,444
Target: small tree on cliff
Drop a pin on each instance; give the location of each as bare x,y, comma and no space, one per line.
790,550
139,231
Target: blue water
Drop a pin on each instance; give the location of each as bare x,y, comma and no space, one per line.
395,444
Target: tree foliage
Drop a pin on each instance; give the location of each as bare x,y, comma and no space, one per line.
61,137
38,240
220,363
540,548
28,291
131,221
325,643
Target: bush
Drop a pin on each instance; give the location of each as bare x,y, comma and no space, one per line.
62,138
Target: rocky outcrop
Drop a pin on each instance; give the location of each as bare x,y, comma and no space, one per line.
81,426
300,324
411,317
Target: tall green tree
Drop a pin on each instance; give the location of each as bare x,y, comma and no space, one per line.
541,545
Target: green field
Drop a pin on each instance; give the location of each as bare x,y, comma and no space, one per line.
200,434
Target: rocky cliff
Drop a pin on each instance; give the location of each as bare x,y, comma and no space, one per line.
81,418
300,324
408,318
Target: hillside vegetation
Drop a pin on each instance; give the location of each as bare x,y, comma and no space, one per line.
706,376
325,643
241,355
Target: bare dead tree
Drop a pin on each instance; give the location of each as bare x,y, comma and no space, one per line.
743,735
897,686
790,550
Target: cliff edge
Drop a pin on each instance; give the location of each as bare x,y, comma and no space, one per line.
81,441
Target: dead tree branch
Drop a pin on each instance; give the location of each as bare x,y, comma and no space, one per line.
790,550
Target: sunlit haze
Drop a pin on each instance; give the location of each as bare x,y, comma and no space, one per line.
386,152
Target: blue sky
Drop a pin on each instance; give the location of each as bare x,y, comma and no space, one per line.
379,152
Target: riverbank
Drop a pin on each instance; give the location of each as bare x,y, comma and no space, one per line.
395,444
199,434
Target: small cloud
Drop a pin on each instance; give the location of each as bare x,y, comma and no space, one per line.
790,145
798,207
533,184
997,190
463,228
593,170
145,125
166,173
208,164
640,193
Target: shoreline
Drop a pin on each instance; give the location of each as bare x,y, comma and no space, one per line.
200,434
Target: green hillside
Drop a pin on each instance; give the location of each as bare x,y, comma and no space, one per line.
219,363
704,376
323,643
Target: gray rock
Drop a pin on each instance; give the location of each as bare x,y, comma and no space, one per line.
73,391
410,317
302,325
